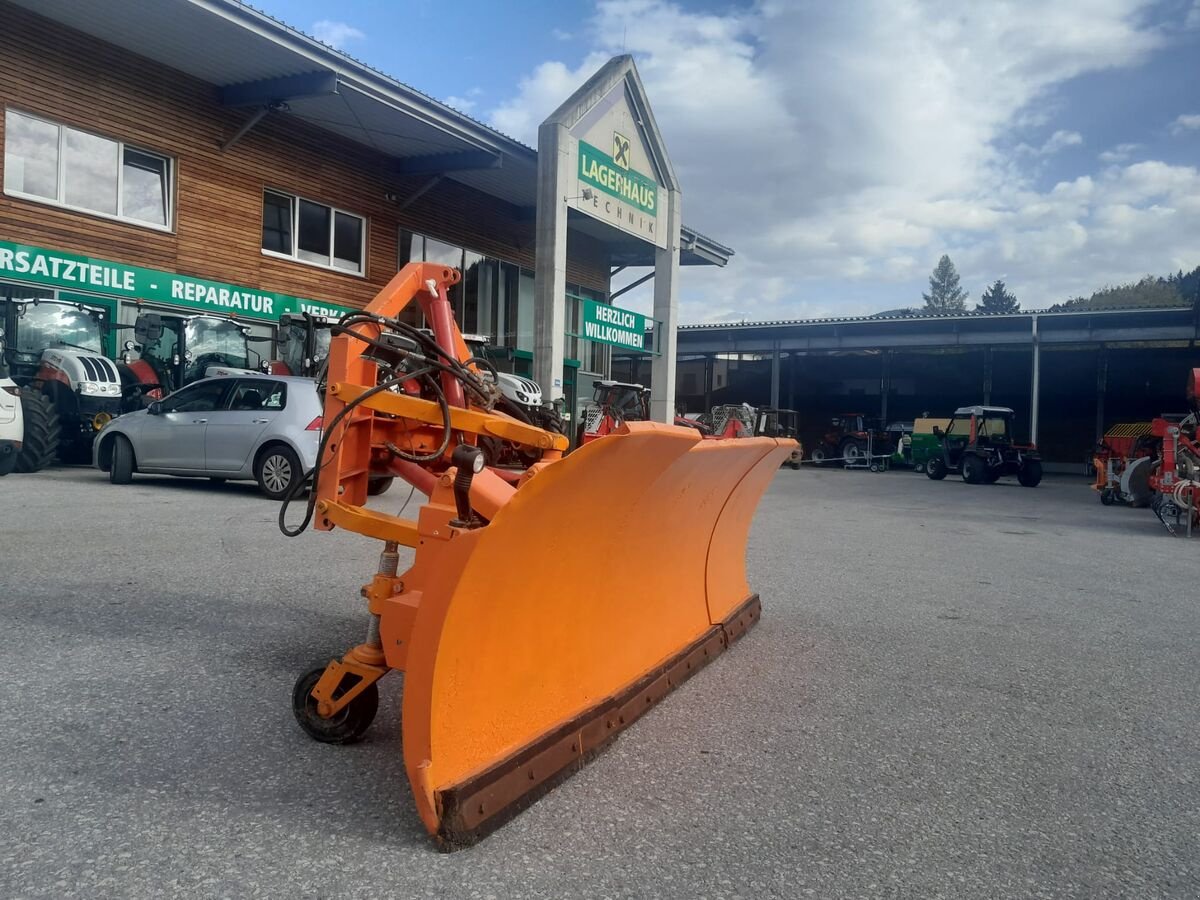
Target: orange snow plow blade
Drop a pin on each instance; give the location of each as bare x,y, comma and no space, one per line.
583,603
547,608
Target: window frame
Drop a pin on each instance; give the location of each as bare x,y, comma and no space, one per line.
61,175
295,201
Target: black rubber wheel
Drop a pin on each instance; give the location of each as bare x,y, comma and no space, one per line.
43,431
277,471
347,726
852,452
819,455
8,458
974,469
121,470
1108,497
377,486
1030,473
919,467
993,474
936,469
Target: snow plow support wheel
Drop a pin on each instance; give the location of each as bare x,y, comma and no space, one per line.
345,727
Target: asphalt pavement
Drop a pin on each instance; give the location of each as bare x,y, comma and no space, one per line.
954,692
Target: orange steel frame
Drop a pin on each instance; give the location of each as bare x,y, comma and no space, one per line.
415,424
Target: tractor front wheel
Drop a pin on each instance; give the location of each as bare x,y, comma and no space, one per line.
853,453
936,469
347,726
1030,473
43,431
819,455
974,469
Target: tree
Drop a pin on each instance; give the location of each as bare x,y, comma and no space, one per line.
1148,292
944,293
997,299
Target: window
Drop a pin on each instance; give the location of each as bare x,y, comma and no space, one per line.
57,164
205,396
313,233
259,394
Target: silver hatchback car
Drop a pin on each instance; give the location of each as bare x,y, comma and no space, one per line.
261,427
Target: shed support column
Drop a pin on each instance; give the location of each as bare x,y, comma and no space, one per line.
550,268
987,376
1036,390
885,386
791,381
710,363
666,316
775,376
1101,390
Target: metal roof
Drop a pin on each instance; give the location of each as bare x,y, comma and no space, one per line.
966,329
252,56
918,315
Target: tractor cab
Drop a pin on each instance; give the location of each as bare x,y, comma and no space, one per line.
303,344
978,442
181,349
780,423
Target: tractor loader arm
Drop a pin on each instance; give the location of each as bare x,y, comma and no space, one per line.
516,672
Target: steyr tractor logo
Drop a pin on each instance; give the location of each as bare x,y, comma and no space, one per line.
620,150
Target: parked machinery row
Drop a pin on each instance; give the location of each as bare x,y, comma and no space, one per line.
54,351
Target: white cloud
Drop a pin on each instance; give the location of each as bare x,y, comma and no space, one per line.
1193,16
561,35
336,34
841,148
1185,123
462,104
1119,153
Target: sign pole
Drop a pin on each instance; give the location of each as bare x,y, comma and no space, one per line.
666,316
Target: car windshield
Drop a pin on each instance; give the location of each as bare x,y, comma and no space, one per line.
57,325
214,342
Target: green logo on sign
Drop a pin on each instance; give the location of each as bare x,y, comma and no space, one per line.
599,169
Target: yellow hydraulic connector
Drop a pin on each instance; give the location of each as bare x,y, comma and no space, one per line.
545,610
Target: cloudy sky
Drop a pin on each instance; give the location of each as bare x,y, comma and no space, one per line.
842,147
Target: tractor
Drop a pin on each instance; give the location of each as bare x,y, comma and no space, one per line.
852,437
780,423
303,344
69,389
978,443
617,402
174,351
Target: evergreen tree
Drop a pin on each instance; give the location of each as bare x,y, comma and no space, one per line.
945,295
997,299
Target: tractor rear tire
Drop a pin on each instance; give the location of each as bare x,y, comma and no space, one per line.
974,469
121,470
344,728
1030,474
43,432
852,452
936,469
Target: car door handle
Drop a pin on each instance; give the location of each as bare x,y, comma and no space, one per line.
199,421
261,421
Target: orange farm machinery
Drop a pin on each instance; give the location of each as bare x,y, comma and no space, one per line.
1123,462
514,674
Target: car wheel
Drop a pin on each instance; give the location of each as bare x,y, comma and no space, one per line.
278,471
936,469
974,469
1030,473
122,468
